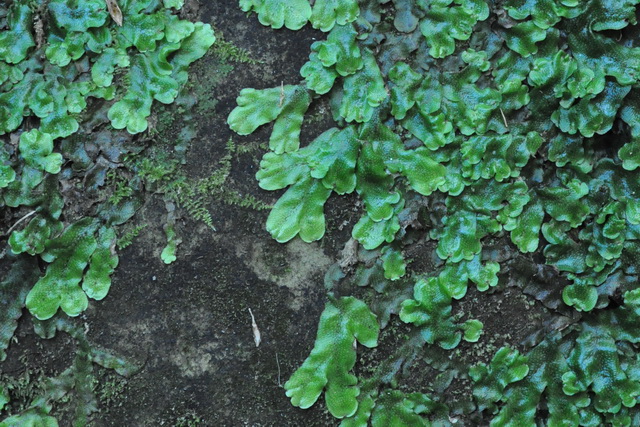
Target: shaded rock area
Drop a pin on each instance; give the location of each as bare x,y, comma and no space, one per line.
189,321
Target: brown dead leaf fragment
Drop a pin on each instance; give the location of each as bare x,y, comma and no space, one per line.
115,12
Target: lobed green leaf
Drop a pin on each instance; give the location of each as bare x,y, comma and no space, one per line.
286,105
300,211
343,321
430,310
327,13
293,14
363,91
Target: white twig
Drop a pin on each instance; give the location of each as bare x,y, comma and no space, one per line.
278,363
504,118
256,331
13,227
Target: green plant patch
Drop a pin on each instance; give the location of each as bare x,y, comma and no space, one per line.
487,130
72,388
72,74
333,356
83,51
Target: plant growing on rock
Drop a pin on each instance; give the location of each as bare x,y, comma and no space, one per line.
49,80
72,74
464,122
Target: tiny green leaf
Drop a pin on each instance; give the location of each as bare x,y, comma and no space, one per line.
522,38
78,15
393,263
406,81
97,280
507,366
443,24
319,78
472,330
431,311
4,396
363,91
69,254
340,50
168,254
371,234
16,42
583,298
525,228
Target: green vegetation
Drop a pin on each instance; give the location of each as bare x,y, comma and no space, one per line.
468,122
72,75
160,171
51,82
343,323
159,168
74,388
127,239
463,127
